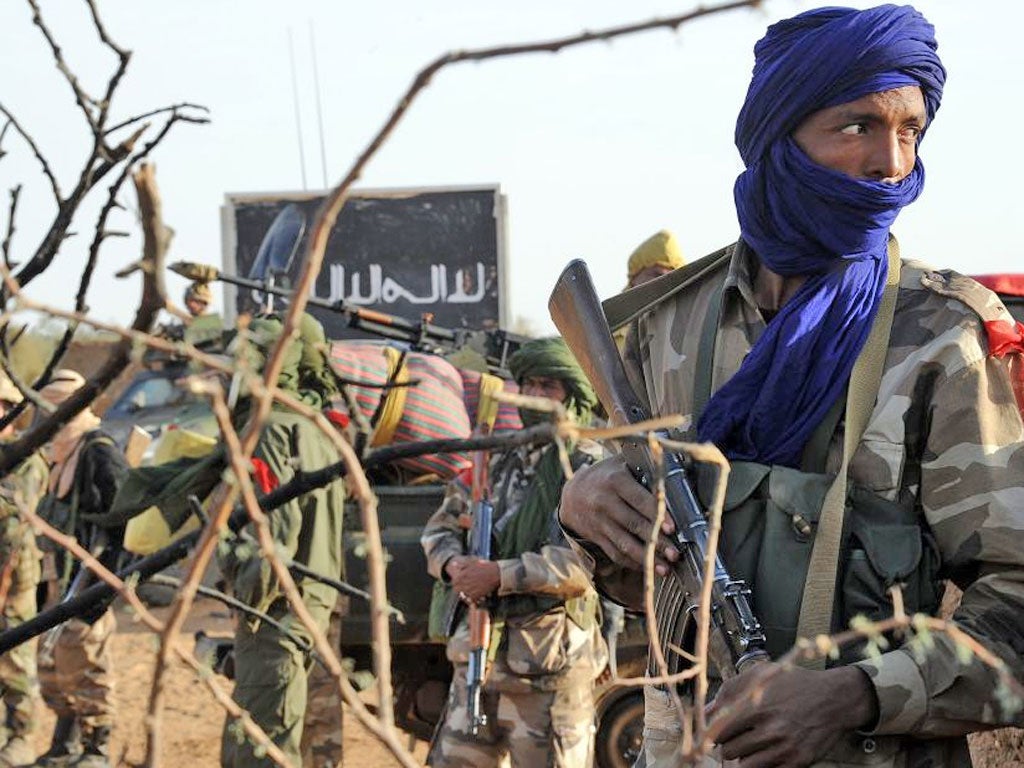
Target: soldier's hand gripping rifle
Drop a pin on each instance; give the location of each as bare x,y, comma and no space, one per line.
737,639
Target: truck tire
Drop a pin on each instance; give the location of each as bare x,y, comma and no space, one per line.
620,732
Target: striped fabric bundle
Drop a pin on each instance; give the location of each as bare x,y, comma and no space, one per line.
433,408
508,415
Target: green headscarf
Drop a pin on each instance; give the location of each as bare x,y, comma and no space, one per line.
552,358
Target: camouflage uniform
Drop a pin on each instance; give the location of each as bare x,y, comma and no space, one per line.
19,577
77,675
945,438
272,669
538,694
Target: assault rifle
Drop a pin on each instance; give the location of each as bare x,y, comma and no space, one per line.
479,616
737,639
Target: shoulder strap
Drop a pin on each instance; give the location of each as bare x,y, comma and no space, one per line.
820,586
622,309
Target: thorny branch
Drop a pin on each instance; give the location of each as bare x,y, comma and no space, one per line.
157,239
103,161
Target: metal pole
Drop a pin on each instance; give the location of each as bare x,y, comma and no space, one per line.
298,115
319,111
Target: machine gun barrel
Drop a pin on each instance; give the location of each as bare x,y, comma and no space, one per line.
496,346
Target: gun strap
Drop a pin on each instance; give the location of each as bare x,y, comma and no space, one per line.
622,309
820,587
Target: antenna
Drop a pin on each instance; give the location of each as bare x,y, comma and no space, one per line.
298,116
319,112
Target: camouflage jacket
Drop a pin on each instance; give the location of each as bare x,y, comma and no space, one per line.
946,429
19,555
536,652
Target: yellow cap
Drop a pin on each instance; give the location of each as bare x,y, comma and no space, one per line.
659,250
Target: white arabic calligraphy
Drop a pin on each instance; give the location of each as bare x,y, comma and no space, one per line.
374,288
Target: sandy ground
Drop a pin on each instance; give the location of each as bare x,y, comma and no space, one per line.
193,720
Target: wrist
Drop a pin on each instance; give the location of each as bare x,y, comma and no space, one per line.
860,703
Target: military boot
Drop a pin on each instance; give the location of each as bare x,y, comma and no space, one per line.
17,752
65,745
96,752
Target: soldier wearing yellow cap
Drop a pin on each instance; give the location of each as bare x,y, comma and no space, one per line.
197,298
658,254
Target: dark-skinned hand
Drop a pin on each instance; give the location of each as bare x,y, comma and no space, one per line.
775,716
472,578
605,505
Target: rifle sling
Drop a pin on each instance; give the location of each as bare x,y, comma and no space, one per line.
625,307
816,607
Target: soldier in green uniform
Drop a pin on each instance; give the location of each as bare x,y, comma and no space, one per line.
758,343
19,577
548,650
272,668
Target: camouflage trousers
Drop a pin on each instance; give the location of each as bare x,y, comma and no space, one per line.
19,681
78,678
271,683
322,730
535,729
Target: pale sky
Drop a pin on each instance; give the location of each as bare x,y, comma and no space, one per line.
596,147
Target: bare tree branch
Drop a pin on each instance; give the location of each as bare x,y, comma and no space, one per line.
11,215
156,241
12,120
153,112
84,100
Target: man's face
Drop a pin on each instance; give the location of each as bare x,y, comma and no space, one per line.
873,138
195,307
647,274
545,386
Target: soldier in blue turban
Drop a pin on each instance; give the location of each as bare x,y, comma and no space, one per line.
869,415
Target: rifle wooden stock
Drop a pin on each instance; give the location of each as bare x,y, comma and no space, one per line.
736,636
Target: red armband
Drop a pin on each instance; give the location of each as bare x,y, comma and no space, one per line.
1004,338
337,418
1007,339
265,478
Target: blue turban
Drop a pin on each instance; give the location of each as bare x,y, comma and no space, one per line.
803,219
